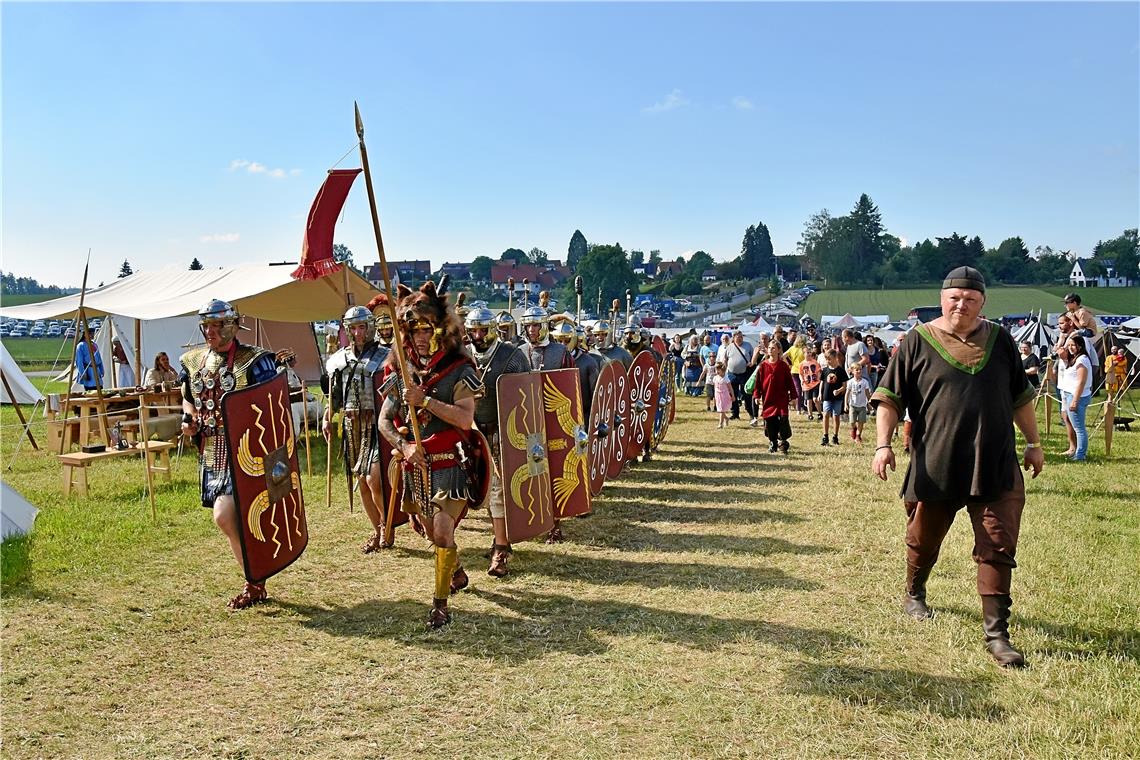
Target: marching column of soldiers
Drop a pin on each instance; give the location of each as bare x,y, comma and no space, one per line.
438,415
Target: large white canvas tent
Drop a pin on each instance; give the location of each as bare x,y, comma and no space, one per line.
16,513
277,309
265,291
22,388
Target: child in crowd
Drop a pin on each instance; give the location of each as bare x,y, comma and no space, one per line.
858,396
833,386
774,392
724,396
1115,371
708,377
809,382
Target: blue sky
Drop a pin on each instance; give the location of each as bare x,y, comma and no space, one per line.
159,133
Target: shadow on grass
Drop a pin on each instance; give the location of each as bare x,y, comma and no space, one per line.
654,574
649,511
636,537
700,489
538,624
894,690
1070,641
16,566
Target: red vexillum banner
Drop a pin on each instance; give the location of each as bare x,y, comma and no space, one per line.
316,249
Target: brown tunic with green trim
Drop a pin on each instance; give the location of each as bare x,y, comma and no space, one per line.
960,396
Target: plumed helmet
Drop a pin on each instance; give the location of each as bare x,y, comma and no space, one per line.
218,310
360,315
379,308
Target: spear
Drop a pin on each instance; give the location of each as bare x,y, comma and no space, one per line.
397,338
615,309
526,292
628,307
510,293
599,309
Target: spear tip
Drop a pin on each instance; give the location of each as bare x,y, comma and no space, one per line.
359,121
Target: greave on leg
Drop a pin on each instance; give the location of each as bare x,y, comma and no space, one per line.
445,559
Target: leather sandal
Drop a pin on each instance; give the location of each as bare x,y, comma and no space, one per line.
252,594
459,579
499,558
439,616
374,543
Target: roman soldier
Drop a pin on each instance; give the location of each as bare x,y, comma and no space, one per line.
442,394
606,348
222,365
540,351
379,308
632,339
493,359
505,324
353,374
589,366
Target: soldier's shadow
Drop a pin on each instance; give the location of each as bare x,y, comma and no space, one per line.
638,511
528,626
895,690
1068,641
634,536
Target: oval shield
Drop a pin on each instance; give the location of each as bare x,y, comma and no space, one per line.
601,420
642,391
665,394
619,425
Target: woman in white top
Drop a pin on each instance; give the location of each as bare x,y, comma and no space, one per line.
1074,380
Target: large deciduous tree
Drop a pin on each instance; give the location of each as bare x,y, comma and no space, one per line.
1121,253
607,267
480,269
516,255
538,256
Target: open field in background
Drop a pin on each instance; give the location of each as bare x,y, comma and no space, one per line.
721,602
21,299
999,301
40,353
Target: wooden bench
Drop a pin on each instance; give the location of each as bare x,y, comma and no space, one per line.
75,465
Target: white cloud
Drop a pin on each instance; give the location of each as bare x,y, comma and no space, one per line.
672,101
221,237
254,167
741,103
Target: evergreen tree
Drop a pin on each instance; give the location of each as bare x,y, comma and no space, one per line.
866,239
756,254
196,266
125,270
577,250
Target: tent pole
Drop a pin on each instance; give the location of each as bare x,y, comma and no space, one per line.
74,349
139,373
19,412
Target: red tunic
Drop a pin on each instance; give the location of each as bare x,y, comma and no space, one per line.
774,386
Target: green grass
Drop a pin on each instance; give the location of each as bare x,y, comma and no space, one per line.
999,301
39,353
720,602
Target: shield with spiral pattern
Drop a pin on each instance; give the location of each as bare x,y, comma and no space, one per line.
642,389
258,426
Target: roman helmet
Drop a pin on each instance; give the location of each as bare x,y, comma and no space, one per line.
564,332
505,325
600,332
379,308
631,336
360,315
535,315
480,317
218,310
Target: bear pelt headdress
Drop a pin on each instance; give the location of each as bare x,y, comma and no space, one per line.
429,306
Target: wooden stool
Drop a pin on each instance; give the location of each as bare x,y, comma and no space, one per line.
159,450
75,467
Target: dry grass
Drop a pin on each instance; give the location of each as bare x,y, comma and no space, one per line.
721,602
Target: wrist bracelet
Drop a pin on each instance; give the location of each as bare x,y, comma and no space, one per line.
882,447
1032,445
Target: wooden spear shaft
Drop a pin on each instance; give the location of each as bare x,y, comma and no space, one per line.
397,338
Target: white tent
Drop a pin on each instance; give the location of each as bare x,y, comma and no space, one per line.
1133,324
257,290
22,388
756,326
16,513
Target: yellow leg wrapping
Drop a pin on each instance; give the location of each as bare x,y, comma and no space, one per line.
445,560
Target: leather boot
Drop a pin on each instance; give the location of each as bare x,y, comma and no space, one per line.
995,622
439,616
459,579
555,535
914,601
499,558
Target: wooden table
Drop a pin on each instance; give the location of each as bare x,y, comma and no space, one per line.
75,464
126,402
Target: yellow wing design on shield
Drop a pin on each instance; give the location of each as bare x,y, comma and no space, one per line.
559,403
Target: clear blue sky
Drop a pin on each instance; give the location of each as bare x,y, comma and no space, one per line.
674,126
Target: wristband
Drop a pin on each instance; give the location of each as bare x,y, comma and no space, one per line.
424,403
1033,445
882,447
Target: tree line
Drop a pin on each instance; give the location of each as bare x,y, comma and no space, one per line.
12,285
856,249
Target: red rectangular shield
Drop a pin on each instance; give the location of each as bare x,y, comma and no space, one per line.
258,426
567,441
527,492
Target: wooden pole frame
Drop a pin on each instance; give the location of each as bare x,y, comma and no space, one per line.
19,412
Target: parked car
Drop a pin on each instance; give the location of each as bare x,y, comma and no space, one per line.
69,332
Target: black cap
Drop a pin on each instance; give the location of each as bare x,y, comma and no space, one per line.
965,277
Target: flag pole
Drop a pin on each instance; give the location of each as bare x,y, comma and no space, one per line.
397,337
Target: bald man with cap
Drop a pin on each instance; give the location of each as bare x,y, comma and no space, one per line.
961,380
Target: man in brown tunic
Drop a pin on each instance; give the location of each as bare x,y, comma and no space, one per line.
962,382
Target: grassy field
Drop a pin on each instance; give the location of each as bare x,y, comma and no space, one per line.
999,301
20,300
720,602
39,353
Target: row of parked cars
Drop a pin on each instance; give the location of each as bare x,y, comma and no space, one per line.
55,328
791,300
